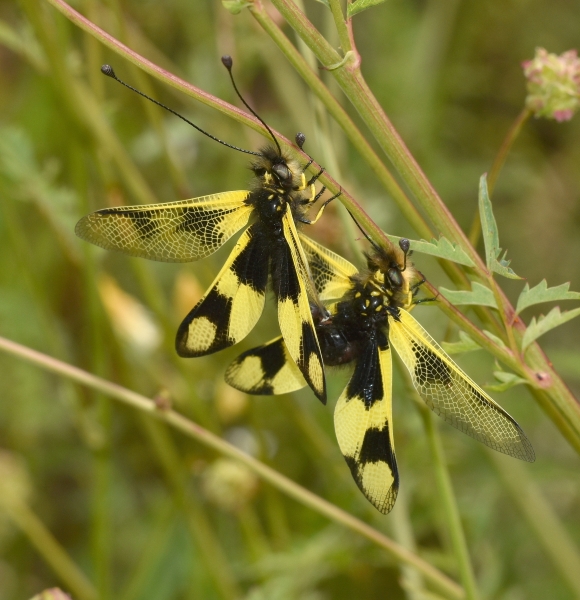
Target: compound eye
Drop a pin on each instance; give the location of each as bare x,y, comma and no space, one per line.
282,172
395,277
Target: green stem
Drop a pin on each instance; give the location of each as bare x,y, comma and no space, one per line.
352,83
101,502
552,535
152,555
209,548
338,113
205,437
51,551
496,167
340,24
449,504
506,146
411,581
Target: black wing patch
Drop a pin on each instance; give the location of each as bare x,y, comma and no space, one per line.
451,394
294,291
265,370
234,302
363,423
181,231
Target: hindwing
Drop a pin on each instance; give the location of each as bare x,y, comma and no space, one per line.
233,304
330,272
181,231
363,421
265,370
451,394
294,294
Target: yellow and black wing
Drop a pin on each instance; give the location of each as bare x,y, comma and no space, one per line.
331,273
363,420
180,231
294,294
233,304
265,370
451,394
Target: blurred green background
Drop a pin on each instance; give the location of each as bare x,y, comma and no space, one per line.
148,514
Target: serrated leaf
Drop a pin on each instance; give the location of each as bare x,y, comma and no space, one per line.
235,7
491,235
465,344
538,327
479,295
542,293
507,381
501,268
361,5
498,341
441,248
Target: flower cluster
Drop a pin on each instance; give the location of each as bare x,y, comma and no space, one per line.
553,84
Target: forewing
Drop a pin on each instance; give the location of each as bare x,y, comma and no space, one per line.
294,314
172,232
265,370
331,273
451,394
363,420
233,304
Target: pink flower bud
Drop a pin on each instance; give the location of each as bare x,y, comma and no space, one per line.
553,84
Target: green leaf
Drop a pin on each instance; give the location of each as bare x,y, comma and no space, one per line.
465,344
536,328
361,5
498,341
479,295
542,293
491,235
441,248
507,381
235,7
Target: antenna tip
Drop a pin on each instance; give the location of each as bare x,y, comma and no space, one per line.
227,61
404,245
300,139
108,71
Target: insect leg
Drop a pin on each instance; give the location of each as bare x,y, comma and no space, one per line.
321,210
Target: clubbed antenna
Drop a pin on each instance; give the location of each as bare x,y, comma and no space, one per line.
228,64
109,72
404,245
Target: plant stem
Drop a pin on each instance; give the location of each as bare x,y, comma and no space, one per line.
353,85
193,430
340,24
449,503
51,551
508,142
497,166
311,78
541,517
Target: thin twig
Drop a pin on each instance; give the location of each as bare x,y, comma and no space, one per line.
195,431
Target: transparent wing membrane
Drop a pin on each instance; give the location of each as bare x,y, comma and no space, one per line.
331,273
451,394
180,231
